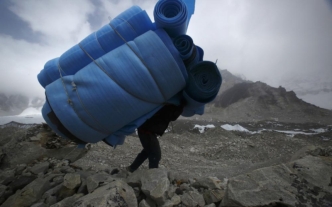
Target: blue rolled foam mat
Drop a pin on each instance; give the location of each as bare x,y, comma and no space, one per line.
185,45
193,107
45,111
129,24
50,71
204,81
120,87
172,16
190,53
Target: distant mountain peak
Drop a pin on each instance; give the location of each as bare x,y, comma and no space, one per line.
241,100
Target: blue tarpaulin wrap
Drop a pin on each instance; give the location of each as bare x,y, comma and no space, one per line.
118,88
116,78
129,24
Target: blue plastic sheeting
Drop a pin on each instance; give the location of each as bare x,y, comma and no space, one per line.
124,85
204,81
125,27
172,16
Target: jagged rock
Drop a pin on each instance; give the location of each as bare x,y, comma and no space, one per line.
213,196
178,178
3,189
7,176
321,152
185,187
22,153
192,198
71,153
207,183
58,179
143,203
117,192
30,193
39,205
171,191
2,155
83,187
68,201
67,169
65,193
20,168
211,205
10,134
155,185
168,203
72,180
147,202
303,182
94,181
49,195
40,168
21,181
175,200
50,200
134,179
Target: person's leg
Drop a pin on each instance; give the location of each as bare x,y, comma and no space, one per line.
143,155
153,148
155,152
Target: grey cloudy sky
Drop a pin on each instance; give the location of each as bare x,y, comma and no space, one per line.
284,42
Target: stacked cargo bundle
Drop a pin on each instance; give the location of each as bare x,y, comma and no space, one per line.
108,84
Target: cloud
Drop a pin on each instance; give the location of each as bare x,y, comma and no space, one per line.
56,19
278,42
272,41
61,24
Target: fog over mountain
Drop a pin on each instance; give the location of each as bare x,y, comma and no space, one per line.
281,43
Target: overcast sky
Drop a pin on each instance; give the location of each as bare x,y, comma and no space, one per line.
280,42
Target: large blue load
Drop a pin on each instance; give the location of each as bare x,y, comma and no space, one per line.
112,81
128,25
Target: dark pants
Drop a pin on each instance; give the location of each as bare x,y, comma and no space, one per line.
151,151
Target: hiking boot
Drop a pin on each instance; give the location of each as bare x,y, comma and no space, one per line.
115,171
129,169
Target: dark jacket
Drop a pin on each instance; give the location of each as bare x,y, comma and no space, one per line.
159,122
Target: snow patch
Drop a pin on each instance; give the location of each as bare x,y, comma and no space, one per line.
320,130
290,133
30,111
236,127
293,132
202,128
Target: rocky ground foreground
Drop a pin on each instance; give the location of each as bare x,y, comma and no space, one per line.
211,168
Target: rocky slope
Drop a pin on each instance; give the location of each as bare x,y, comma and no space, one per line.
252,102
214,168
264,167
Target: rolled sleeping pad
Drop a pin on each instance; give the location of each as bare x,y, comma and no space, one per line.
128,25
172,16
120,87
204,81
190,53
